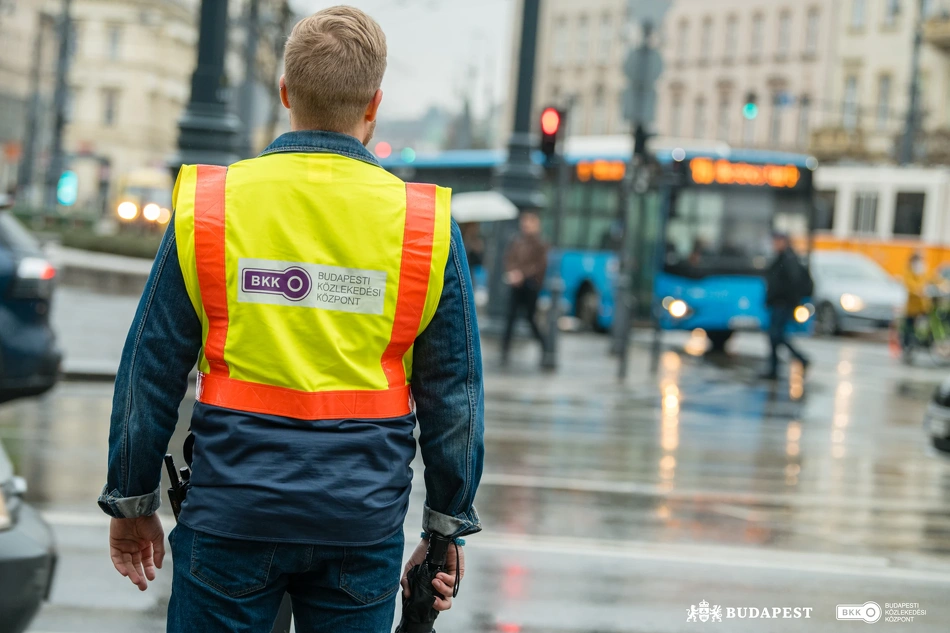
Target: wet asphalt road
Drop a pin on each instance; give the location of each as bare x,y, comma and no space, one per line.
613,508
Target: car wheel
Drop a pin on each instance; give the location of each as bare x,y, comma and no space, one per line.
718,340
588,309
826,321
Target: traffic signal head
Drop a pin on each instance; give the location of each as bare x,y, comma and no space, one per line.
550,128
750,109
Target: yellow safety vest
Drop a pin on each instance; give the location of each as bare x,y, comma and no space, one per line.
312,275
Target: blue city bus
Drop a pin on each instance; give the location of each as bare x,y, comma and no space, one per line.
714,206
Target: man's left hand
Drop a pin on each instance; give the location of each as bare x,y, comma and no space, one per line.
137,547
444,581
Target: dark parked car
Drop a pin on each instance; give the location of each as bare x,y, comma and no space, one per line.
29,356
27,554
937,419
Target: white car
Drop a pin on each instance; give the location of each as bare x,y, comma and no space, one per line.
853,293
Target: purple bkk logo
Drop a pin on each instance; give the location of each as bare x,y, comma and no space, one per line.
293,283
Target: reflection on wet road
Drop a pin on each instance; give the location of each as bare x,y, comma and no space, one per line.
616,508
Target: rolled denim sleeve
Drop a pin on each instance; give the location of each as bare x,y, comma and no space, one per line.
450,403
160,351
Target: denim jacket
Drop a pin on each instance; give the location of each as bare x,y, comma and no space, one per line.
165,339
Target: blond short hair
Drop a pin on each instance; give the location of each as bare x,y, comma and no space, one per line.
333,65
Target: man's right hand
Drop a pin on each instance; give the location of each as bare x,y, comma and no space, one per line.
137,547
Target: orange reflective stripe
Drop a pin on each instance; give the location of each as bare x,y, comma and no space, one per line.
230,393
209,256
413,279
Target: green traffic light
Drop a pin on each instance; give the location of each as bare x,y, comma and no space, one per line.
750,111
408,155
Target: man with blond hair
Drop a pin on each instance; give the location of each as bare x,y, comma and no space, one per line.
328,306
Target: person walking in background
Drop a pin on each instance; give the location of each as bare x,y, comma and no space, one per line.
787,283
918,303
526,262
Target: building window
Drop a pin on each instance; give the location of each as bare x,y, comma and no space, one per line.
775,124
114,41
825,210
706,41
559,52
849,118
606,39
682,42
857,13
812,28
804,113
865,212
583,40
784,33
883,101
110,107
758,23
676,115
892,8
722,126
909,213
699,123
599,124
732,37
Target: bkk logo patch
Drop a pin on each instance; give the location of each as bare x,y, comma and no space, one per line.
305,285
294,282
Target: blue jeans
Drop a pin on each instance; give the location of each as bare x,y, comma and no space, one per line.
782,315
223,585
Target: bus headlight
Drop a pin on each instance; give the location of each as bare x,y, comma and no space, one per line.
851,303
127,210
678,308
803,313
151,212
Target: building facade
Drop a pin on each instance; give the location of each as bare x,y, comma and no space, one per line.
753,73
870,98
581,52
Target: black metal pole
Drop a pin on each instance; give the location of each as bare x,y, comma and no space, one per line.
208,129
519,179
28,159
60,95
906,154
252,37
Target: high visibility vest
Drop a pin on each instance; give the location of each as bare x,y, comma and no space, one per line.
312,274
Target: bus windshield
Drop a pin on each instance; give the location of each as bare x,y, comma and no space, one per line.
728,230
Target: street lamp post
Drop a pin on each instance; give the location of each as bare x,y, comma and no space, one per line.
519,179
208,129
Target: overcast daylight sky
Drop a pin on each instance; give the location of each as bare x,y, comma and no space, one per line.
432,46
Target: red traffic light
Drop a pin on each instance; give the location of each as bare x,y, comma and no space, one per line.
550,121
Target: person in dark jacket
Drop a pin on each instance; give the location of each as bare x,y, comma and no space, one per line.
526,262
783,294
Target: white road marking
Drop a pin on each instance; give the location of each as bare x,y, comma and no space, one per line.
748,558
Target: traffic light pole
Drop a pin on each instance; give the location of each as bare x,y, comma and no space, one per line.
60,95
625,304
556,284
